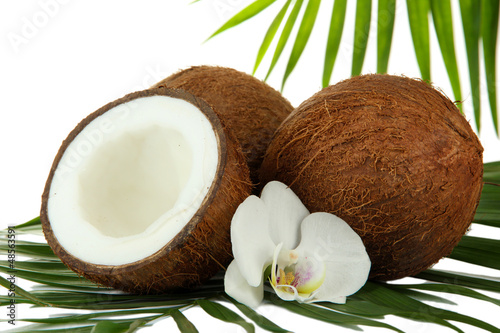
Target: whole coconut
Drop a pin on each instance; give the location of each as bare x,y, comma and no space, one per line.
250,107
390,155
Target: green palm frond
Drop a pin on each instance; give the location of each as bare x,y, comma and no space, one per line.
479,20
385,27
471,19
285,34
443,24
334,37
303,34
271,32
418,18
250,11
361,34
489,32
109,310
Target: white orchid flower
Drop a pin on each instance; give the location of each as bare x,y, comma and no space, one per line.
313,257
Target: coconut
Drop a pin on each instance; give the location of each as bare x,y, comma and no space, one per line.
250,107
141,193
390,155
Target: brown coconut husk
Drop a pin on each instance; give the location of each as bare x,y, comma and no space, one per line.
250,107
201,248
393,157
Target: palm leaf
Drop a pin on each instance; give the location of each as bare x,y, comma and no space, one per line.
476,256
487,212
402,305
424,297
30,227
362,308
479,243
418,17
21,292
489,32
461,279
271,32
491,172
479,22
88,317
451,289
471,17
258,319
285,34
443,23
302,38
411,308
184,325
334,37
109,310
248,12
66,279
32,249
221,312
35,222
44,328
122,326
327,315
361,34
386,15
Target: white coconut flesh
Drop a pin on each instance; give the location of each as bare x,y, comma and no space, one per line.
132,179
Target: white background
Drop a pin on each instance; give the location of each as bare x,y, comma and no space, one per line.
61,60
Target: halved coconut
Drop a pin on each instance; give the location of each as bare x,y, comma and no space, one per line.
141,194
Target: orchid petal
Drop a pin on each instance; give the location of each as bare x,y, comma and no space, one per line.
286,212
330,239
310,274
274,266
237,287
252,245
283,291
284,294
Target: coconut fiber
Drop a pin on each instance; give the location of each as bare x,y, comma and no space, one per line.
393,157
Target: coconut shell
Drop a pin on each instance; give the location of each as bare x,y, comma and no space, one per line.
390,155
201,248
250,107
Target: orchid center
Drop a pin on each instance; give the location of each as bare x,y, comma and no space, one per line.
295,273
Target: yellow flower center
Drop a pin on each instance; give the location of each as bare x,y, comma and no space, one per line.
296,274
285,278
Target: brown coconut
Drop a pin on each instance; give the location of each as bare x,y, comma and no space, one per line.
203,245
250,107
390,155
